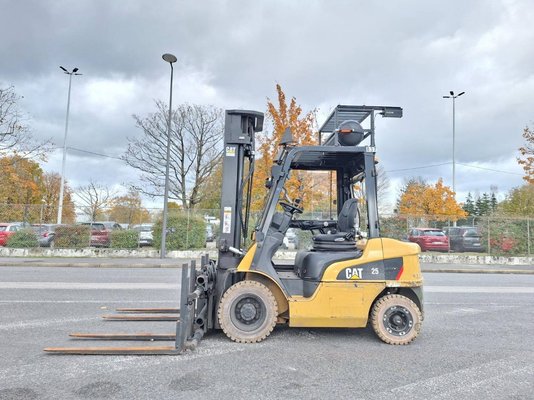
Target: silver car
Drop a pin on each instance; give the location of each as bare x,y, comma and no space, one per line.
146,237
45,234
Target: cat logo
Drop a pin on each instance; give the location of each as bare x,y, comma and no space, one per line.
353,273
230,151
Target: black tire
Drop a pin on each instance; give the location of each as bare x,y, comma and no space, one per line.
247,312
396,319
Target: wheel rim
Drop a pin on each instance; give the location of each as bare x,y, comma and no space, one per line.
398,320
248,312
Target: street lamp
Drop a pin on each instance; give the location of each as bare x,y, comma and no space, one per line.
453,97
62,185
170,59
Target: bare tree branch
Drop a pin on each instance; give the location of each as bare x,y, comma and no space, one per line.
15,136
196,147
94,198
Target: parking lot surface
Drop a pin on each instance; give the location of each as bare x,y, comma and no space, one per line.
476,343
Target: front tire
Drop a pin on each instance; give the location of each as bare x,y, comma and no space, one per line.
247,312
396,319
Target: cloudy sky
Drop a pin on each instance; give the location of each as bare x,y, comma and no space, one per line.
232,53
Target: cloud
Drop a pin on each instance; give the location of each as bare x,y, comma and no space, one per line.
231,54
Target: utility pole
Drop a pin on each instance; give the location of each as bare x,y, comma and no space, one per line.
170,59
62,185
453,97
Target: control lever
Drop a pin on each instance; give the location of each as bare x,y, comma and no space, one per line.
236,251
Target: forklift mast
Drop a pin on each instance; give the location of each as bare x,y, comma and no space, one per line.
239,147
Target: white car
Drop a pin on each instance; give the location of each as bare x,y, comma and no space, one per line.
146,237
291,240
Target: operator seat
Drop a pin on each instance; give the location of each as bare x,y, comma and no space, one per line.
331,247
343,239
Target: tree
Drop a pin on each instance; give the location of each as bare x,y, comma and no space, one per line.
21,189
382,190
493,202
283,116
519,201
437,201
527,155
128,209
410,195
211,190
50,199
483,205
196,148
15,136
469,205
94,198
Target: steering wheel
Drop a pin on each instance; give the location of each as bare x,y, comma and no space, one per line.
291,208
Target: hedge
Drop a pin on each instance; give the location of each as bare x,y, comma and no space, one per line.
125,239
72,237
23,239
184,231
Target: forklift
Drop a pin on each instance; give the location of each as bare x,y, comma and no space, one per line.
349,277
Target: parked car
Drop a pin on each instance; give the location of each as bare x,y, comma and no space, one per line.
45,234
429,239
146,234
210,235
464,238
100,232
291,240
7,230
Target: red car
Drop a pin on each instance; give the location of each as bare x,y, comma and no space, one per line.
6,230
101,232
429,239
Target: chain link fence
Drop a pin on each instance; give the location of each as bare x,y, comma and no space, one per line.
499,235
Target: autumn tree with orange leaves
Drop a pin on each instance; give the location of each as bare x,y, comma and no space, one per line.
527,155
420,199
20,189
50,199
283,114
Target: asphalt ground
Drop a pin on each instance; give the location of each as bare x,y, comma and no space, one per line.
476,343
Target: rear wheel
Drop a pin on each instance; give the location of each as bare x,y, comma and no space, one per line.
247,312
396,319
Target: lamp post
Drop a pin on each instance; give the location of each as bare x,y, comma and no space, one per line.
62,185
170,59
453,97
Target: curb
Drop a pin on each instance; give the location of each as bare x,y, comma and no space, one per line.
178,265
479,271
181,254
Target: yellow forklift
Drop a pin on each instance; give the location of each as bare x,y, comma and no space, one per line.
348,278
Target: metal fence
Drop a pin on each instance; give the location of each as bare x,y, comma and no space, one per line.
499,235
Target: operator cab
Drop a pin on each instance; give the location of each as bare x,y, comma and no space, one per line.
342,166
332,239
